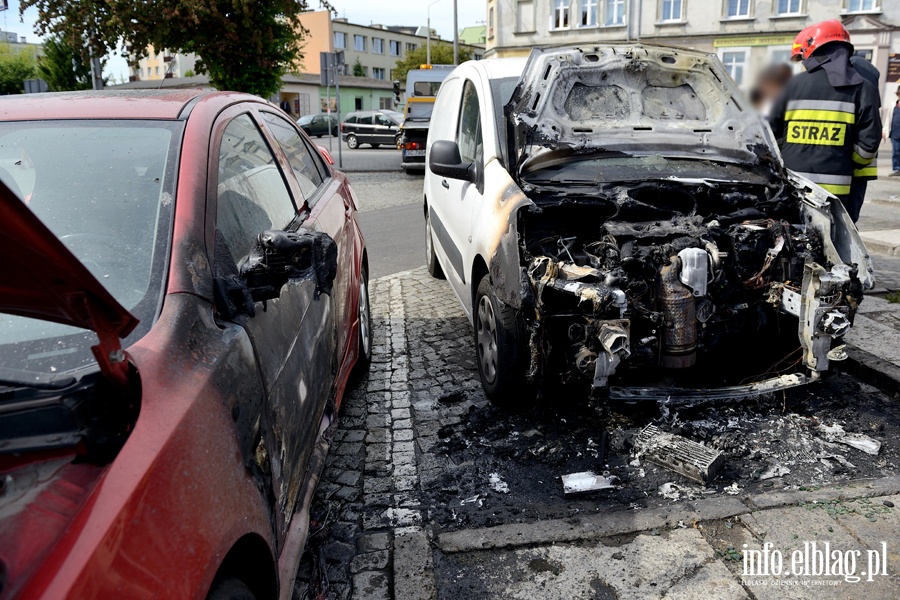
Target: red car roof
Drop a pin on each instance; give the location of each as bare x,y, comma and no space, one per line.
107,104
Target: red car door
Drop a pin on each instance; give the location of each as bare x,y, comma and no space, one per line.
330,212
293,335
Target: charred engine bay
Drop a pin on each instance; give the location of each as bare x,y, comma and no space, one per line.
768,443
667,282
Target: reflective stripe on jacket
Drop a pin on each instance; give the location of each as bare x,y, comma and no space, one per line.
827,133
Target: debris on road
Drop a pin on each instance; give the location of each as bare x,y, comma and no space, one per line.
732,490
588,481
497,484
774,471
836,434
688,458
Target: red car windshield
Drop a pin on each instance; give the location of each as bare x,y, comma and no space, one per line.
106,189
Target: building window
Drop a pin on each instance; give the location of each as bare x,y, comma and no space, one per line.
560,14
588,13
670,10
737,8
862,5
340,39
787,7
359,43
378,45
615,12
410,47
395,48
156,70
491,23
385,103
735,62
524,16
377,72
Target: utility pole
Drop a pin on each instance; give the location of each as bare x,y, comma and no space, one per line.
455,35
338,62
97,74
428,42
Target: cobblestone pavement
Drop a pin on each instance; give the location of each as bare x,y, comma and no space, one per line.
430,492
378,191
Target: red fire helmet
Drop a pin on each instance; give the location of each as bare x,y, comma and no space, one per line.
815,36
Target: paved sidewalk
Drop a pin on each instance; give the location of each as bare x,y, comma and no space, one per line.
396,516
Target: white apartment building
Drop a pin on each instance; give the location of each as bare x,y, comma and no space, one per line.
746,34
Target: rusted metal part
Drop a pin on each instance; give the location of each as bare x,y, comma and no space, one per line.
693,396
688,458
679,333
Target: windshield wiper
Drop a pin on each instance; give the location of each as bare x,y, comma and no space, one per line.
33,379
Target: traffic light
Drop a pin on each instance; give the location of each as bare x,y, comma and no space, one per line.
397,91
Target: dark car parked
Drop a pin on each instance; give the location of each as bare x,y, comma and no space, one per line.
375,127
319,125
185,300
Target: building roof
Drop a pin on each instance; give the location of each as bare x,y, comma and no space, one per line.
473,35
202,82
108,104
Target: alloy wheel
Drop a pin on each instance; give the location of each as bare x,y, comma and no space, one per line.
486,333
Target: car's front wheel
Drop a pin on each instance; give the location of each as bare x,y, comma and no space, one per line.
352,142
501,346
431,260
230,588
364,316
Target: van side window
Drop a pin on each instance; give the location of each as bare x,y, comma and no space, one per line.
468,135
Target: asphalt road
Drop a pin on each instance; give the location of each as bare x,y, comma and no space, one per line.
391,220
395,239
364,158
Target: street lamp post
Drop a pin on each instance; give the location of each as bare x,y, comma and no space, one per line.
455,36
428,42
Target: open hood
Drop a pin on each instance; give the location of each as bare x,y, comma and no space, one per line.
42,279
634,99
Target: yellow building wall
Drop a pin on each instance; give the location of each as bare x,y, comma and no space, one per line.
318,38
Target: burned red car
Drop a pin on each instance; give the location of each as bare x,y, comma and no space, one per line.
184,298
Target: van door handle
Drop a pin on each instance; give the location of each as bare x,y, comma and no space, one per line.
445,184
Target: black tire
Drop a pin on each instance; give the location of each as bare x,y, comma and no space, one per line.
501,349
364,335
352,142
431,260
398,142
230,588
376,146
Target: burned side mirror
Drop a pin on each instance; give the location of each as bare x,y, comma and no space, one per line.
444,160
283,256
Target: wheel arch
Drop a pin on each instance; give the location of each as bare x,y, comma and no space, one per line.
250,560
479,270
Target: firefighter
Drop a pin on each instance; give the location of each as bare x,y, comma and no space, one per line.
827,121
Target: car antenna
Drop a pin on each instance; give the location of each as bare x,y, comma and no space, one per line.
166,72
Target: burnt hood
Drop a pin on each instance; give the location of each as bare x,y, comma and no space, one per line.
42,279
634,100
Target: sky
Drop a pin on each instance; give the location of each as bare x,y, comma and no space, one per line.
363,12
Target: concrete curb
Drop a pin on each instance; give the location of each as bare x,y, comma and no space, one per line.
880,247
871,369
593,527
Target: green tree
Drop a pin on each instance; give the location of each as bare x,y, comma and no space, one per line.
189,73
441,54
15,68
62,67
244,45
358,69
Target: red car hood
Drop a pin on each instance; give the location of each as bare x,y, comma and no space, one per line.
43,280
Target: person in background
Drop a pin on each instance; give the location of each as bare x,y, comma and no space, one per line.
827,121
863,175
768,87
895,137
